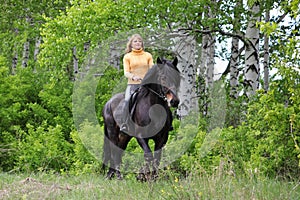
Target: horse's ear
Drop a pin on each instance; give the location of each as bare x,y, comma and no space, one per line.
158,61
175,62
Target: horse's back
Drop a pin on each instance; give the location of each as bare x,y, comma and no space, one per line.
110,106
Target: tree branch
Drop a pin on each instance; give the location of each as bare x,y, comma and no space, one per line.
239,36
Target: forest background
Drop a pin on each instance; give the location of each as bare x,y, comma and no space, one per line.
44,46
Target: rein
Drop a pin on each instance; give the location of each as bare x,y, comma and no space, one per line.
159,95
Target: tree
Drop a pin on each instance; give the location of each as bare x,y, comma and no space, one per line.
252,50
266,54
235,51
55,39
21,22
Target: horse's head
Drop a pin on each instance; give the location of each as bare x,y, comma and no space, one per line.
164,79
169,79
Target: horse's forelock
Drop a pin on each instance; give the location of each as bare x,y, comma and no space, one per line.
170,73
163,69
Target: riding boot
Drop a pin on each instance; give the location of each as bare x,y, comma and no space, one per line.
124,119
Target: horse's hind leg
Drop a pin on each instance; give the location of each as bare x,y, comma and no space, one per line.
115,158
123,141
106,152
114,168
109,152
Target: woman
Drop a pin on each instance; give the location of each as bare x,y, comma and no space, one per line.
136,63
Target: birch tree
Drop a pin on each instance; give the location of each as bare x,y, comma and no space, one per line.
208,46
235,54
266,54
251,80
185,48
20,25
25,54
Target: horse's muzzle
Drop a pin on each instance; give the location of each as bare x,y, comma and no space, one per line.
173,100
174,103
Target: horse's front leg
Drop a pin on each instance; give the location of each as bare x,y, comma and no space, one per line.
159,144
148,156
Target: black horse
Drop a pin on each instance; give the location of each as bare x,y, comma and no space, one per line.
150,118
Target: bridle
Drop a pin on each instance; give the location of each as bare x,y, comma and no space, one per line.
162,96
164,90
161,86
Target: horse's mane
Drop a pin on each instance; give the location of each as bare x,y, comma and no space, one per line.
151,75
164,68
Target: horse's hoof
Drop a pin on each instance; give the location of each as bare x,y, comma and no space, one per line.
119,176
141,177
110,175
154,177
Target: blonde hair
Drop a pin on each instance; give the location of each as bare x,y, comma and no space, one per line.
128,46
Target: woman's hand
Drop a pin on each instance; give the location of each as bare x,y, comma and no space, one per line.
136,78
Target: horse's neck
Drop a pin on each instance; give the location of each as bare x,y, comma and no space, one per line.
154,93
153,89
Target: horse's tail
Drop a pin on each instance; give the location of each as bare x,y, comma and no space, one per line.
110,128
106,150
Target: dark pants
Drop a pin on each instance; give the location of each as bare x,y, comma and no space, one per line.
125,107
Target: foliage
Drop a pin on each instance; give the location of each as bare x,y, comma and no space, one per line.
267,143
21,21
56,98
18,98
37,130
108,85
275,145
43,149
87,144
19,106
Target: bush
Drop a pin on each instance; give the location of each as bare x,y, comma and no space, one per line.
43,149
275,135
267,143
88,142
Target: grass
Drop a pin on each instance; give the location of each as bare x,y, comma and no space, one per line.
93,186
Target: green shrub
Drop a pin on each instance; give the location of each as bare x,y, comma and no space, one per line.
267,143
88,142
43,149
274,130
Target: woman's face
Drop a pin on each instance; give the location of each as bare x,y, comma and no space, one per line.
137,43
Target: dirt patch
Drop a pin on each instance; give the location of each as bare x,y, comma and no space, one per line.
30,188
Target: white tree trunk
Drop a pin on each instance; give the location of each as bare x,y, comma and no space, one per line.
115,55
86,48
25,54
266,56
234,59
204,56
207,61
210,60
15,56
14,62
37,48
252,52
185,47
234,71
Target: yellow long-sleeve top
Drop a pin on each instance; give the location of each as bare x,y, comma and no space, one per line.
137,63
